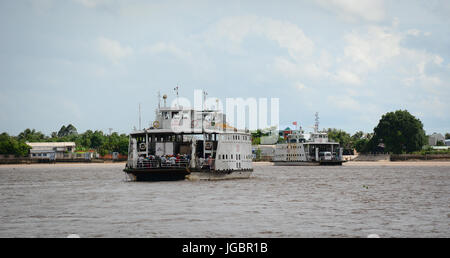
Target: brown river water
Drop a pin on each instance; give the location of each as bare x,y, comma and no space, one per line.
355,200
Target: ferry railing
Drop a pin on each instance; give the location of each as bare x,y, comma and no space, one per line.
174,163
148,164
168,163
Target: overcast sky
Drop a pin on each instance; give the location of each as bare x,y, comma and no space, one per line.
91,62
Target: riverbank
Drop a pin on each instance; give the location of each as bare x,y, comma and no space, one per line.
67,164
419,163
380,163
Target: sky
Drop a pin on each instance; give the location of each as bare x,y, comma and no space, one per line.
92,62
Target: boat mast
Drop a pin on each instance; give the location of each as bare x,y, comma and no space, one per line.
159,99
176,91
316,125
140,116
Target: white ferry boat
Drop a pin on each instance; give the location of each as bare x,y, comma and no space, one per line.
308,150
188,144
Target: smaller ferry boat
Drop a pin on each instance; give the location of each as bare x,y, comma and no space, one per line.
184,143
311,149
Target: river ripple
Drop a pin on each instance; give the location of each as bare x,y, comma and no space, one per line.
349,201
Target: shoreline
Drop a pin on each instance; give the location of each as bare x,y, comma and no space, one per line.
66,164
417,163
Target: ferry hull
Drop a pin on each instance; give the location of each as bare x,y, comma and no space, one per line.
182,174
156,174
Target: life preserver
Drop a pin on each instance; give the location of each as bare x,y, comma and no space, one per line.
142,146
156,124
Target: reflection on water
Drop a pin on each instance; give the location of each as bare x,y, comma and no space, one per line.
347,201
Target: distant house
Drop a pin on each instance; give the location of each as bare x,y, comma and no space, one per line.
284,133
434,138
50,150
266,152
447,142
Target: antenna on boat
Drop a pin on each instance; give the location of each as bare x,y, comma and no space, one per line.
316,125
159,99
204,99
176,91
139,116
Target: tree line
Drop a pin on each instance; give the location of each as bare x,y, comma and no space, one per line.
89,140
397,132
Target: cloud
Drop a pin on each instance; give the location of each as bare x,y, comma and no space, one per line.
93,3
354,10
373,48
235,29
369,51
413,32
300,86
112,49
347,77
170,48
42,6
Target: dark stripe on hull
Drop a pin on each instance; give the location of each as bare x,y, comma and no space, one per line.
331,163
180,174
157,174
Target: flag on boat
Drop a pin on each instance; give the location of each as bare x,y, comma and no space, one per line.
294,123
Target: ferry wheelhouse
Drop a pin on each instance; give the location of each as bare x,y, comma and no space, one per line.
308,149
189,144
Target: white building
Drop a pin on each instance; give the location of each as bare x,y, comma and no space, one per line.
50,150
266,152
434,138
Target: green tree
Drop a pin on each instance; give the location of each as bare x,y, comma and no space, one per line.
361,145
31,135
256,137
67,130
440,143
447,136
123,144
340,136
400,132
97,140
358,135
10,145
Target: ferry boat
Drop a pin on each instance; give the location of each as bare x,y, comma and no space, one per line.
308,150
184,143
